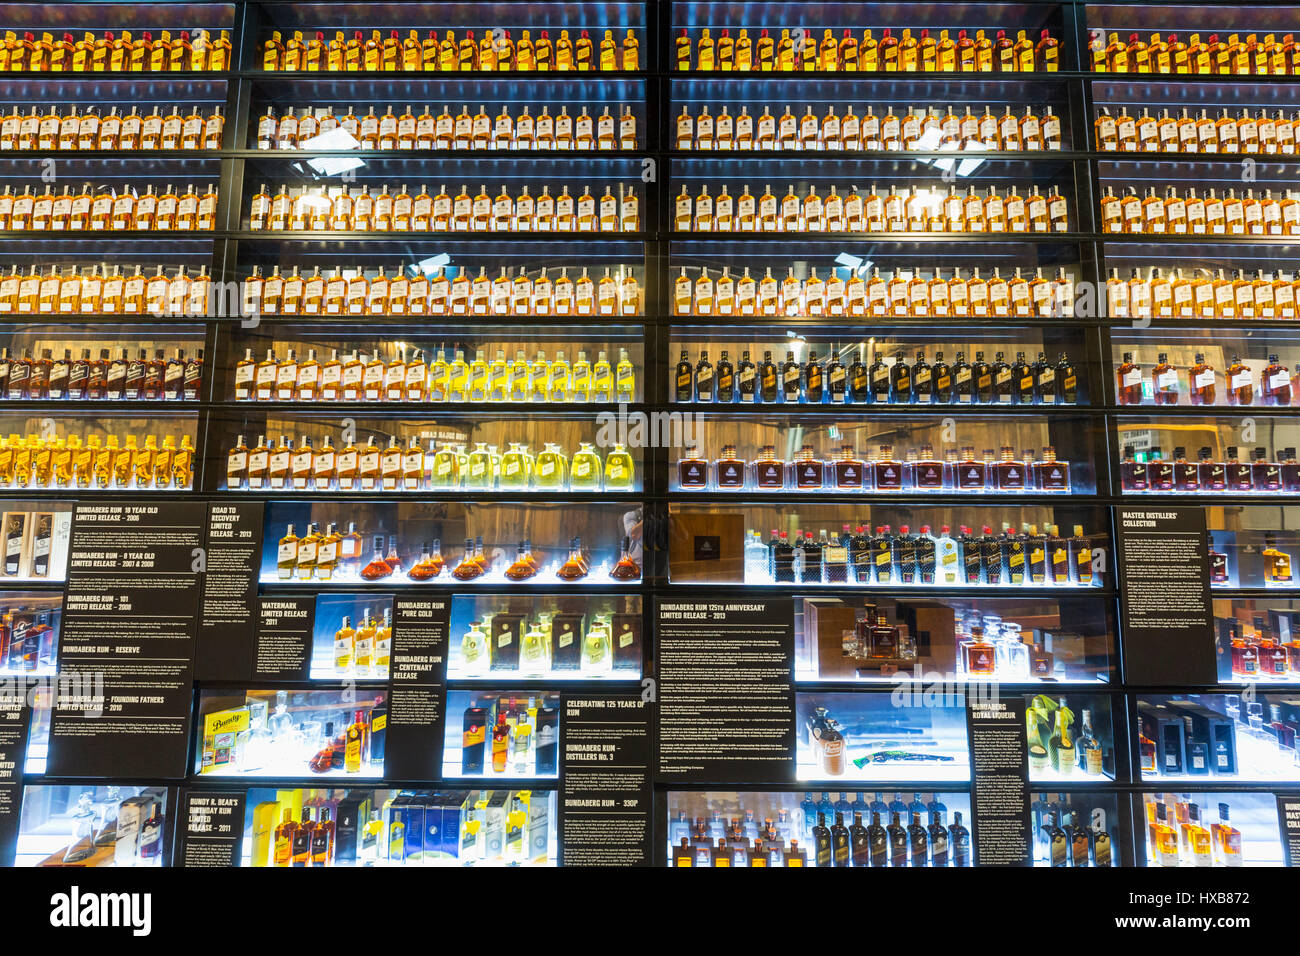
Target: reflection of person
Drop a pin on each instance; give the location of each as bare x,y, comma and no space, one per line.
632,521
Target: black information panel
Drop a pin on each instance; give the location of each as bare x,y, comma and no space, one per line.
415,679
284,629
999,779
1288,817
15,716
605,800
232,560
726,704
1168,613
127,641
212,828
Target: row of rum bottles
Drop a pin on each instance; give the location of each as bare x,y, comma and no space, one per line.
1166,384
342,209
1014,558
441,291
880,472
931,128
397,466
1247,132
103,289
333,555
899,293
408,376
495,51
886,381
62,127
105,208
446,130
1257,651
108,52
1163,293
132,462
365,650
1063,838
798,49
1230,474
1231,57
917,209
1178,836
536,647
143,378
1186,212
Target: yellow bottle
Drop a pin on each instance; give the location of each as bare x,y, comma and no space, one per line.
64,458
124,463
98,464
23,461
619,469
162,462
43,462
142,462
8,451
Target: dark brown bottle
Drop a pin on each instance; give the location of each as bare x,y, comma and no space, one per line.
928,471
1050,474
971,472
809,470
151,388
1010,473
1022,381
1236,472
1067,382
1265,475
193,384
38,377
1160,473
729,471
1213,475
6,363
60,370
19,370
79,376
133,380
1132,473
1290,471
887,471
97,378
1004,389
1187,476
173,378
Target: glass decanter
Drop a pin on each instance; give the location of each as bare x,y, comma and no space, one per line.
523,567
474,650
444,474
586,468
430,564
626,569
619,469
514,467
596,649
552,468
478,474
574,567
469,567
